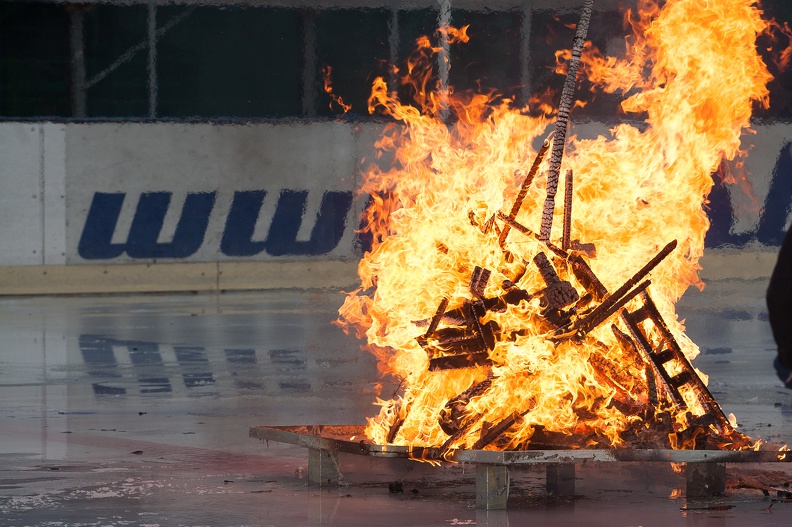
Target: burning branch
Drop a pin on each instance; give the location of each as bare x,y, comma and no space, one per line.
524,190
562,121
607,307
565,241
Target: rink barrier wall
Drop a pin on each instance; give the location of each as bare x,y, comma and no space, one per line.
166,207
176,277
717,265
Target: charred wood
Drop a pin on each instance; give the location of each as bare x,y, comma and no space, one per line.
524,190
494,432
658,372
565,240
446,446
528,232
478,281
562,121
664,422
651,386
628,346
452,414
606,308
601,313
627,407
486,331
437,316
455,362
543,439
446,339
394,429
557,318
587,278
546,269
589,249
558,293
511,222
702,420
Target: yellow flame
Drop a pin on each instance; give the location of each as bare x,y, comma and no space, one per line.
691,73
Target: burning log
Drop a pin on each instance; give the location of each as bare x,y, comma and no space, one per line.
478,281
558,293
468,342
565,240
394,429
654,399
457,340
589,249
511,222
471,339
528,232
587,278
524,190
616,374
543,439
459,316
603,311
437,316
627,344
457,362
695,436
452,414
491,434
562,121
485,228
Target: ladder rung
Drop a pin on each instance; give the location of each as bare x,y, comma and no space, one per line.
682,378
663,357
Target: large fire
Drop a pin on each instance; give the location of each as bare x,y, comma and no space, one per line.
506,334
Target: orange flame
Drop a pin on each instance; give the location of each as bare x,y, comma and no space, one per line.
691,69
328,88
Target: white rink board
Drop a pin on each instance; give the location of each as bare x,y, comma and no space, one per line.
271,178
308,161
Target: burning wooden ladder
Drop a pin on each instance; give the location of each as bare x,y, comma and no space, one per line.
666,352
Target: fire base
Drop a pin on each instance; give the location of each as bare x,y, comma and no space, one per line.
706,469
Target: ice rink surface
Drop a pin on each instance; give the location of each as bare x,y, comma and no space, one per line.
135,410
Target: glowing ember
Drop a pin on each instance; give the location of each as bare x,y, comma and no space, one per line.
501,340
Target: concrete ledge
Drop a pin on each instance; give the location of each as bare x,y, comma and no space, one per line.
724,264
305,274
275,275
174,277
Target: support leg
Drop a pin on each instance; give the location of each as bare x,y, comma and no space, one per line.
561,479
705,479
323,467
492,518
492,486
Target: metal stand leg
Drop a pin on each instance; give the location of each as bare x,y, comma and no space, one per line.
705,479
561,479
323,467
492,486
